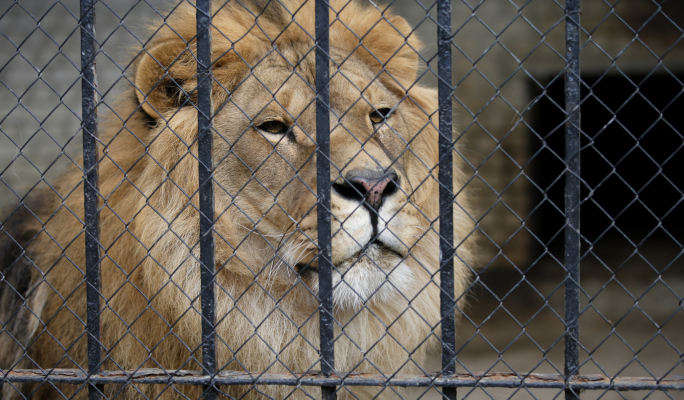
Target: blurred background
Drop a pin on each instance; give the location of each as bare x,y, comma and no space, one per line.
508,69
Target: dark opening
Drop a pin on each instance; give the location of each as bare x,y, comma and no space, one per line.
632,160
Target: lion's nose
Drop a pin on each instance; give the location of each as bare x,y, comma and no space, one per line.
372,185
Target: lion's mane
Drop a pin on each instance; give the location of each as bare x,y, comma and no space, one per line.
149,228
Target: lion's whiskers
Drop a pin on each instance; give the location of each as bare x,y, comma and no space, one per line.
426,234
285,259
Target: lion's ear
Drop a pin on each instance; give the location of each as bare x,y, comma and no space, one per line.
161,75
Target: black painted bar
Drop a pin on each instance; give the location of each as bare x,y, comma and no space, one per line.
206,191
325,286
90,190
572,193
446,194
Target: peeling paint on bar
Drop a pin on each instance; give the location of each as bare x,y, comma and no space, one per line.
501,380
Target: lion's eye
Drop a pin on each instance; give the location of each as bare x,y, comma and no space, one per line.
275,127
380,115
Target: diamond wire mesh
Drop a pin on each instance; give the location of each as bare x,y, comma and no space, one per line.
508,68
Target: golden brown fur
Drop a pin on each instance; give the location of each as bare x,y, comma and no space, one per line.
265,208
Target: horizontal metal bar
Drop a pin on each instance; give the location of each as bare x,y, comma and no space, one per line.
501,380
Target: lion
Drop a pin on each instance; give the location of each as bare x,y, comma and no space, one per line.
384,159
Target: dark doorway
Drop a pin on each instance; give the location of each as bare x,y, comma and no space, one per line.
632,160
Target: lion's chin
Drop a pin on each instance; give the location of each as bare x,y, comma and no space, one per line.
378,276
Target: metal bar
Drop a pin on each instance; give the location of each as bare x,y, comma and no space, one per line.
325,285
206,192
500,380
446,194
572,193
90,190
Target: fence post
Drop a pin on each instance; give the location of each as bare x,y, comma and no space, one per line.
572,193
206,191
325,267
446,194
90,191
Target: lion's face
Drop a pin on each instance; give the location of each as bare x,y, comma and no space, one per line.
265,159
383,142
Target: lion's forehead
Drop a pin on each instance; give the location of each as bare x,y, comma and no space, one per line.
281,84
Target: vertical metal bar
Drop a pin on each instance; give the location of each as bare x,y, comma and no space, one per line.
90,190
446,194
206,191
325,286
572,192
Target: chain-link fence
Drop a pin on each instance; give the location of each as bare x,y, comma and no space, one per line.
342,199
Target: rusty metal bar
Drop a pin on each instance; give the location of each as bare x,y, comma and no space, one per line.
572,193
206,192
446,195
500,380
325,266
91,190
